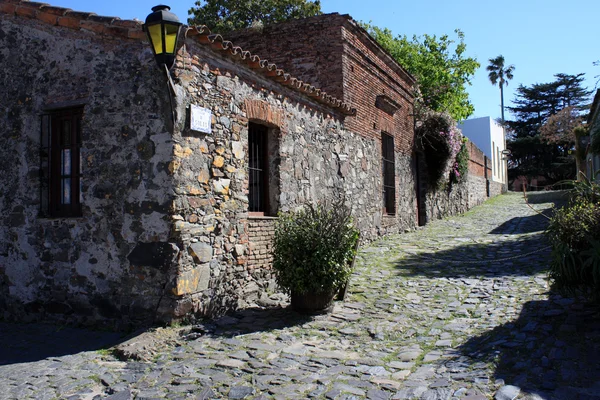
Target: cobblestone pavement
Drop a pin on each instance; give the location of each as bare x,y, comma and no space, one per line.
459,309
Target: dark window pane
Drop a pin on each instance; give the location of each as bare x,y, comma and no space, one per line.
66,162
60,164
66,132
388,165
257,180
66,191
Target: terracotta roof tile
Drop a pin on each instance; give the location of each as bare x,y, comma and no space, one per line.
116,27
60,11
79,14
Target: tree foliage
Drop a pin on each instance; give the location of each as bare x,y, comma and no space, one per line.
500,74
228,15
442,69
532,153
560,127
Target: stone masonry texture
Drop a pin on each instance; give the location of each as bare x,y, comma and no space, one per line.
459,309
165,233
78,266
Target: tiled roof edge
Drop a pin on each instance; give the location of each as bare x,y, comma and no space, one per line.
132,29
68,18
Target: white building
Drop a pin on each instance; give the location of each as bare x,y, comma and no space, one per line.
488,135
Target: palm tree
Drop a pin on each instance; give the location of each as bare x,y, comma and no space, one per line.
499,74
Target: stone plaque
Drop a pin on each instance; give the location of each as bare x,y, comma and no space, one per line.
200,119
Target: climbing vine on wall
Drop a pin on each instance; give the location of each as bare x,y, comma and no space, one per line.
461,163
441,141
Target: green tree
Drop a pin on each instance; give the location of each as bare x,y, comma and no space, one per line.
500,74
228,15
533,107
562,130
440,65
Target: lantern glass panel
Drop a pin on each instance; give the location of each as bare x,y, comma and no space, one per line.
154,32
170,38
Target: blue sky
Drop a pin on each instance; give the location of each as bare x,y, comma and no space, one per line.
539,37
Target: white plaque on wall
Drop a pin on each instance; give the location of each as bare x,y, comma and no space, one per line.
200,119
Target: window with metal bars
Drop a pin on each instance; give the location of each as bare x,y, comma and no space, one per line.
60,163
258,169
389,175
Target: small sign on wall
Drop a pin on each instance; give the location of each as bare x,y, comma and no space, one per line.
200,119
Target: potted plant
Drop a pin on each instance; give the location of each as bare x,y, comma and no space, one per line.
313,252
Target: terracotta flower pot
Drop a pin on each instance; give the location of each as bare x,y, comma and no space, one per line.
312,303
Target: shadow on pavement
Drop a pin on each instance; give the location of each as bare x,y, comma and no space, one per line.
249,320
529,224
20,343
526,256
536,222
507,256
552,349
558,197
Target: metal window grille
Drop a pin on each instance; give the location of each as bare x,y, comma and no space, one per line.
60,163
389,174
257,168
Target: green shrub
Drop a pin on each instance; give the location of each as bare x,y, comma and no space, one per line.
313,248
585,189
574,232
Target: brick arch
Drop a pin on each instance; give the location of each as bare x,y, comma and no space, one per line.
261,111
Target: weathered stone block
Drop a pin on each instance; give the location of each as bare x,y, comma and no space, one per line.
182,152
239,250
218,161
238,150
203,176
221,186
193,281
154,254
201,252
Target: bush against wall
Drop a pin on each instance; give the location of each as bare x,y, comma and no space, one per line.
461,163
574,232
314,247
443,145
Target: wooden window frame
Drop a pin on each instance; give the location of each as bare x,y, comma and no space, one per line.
60,163
388,171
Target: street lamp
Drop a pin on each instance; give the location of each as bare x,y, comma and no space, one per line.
162,28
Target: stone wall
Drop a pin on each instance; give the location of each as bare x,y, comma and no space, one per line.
497,188
165,231
450,198
113,261
317,159
333,52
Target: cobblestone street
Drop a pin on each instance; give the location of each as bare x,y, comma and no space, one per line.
459,309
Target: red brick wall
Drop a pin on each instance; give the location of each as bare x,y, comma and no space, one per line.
261,232
331,52
367,75
310,49
476,161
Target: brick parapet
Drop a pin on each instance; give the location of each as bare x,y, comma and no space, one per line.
339,56
261,232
